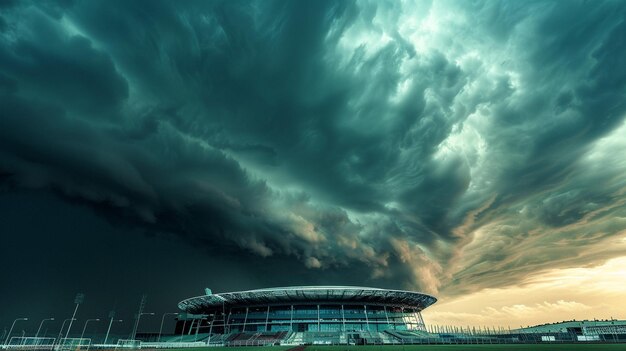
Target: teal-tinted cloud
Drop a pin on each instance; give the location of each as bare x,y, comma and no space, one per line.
337,134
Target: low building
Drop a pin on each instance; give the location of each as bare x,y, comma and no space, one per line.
583,330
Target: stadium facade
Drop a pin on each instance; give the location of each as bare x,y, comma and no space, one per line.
304,314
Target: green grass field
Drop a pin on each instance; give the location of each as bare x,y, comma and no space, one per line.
235,348
516,347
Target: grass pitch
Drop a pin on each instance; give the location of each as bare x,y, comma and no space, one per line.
487,347
237,348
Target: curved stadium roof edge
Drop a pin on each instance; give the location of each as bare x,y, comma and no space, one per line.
308,293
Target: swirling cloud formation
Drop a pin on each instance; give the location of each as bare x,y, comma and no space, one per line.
445,146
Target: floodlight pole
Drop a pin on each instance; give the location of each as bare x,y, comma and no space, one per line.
109,329
85,327
137,323
162,321
40,324
6,342
142,304
61,331
77,300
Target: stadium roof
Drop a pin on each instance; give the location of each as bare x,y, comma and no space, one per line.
304,294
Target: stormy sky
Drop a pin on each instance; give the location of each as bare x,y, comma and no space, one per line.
472,150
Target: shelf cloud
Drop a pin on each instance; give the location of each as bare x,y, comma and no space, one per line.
441,146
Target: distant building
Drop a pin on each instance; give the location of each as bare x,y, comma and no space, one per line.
585,330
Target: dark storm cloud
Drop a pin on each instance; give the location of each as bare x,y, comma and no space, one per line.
339,134
549,183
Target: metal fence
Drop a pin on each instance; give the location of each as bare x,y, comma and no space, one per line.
441,338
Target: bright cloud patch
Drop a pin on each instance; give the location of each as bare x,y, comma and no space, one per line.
593,292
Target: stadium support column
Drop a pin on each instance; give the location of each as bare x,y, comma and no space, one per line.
291,320
421,320
318,318
245,320
227,325
367,321
182,333
343,319
198,327
191,326
224,317
211,328
267,317
387,318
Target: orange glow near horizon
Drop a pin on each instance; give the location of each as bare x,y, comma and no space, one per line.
552,296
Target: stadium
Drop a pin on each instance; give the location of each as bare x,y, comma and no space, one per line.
315,318
304,315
